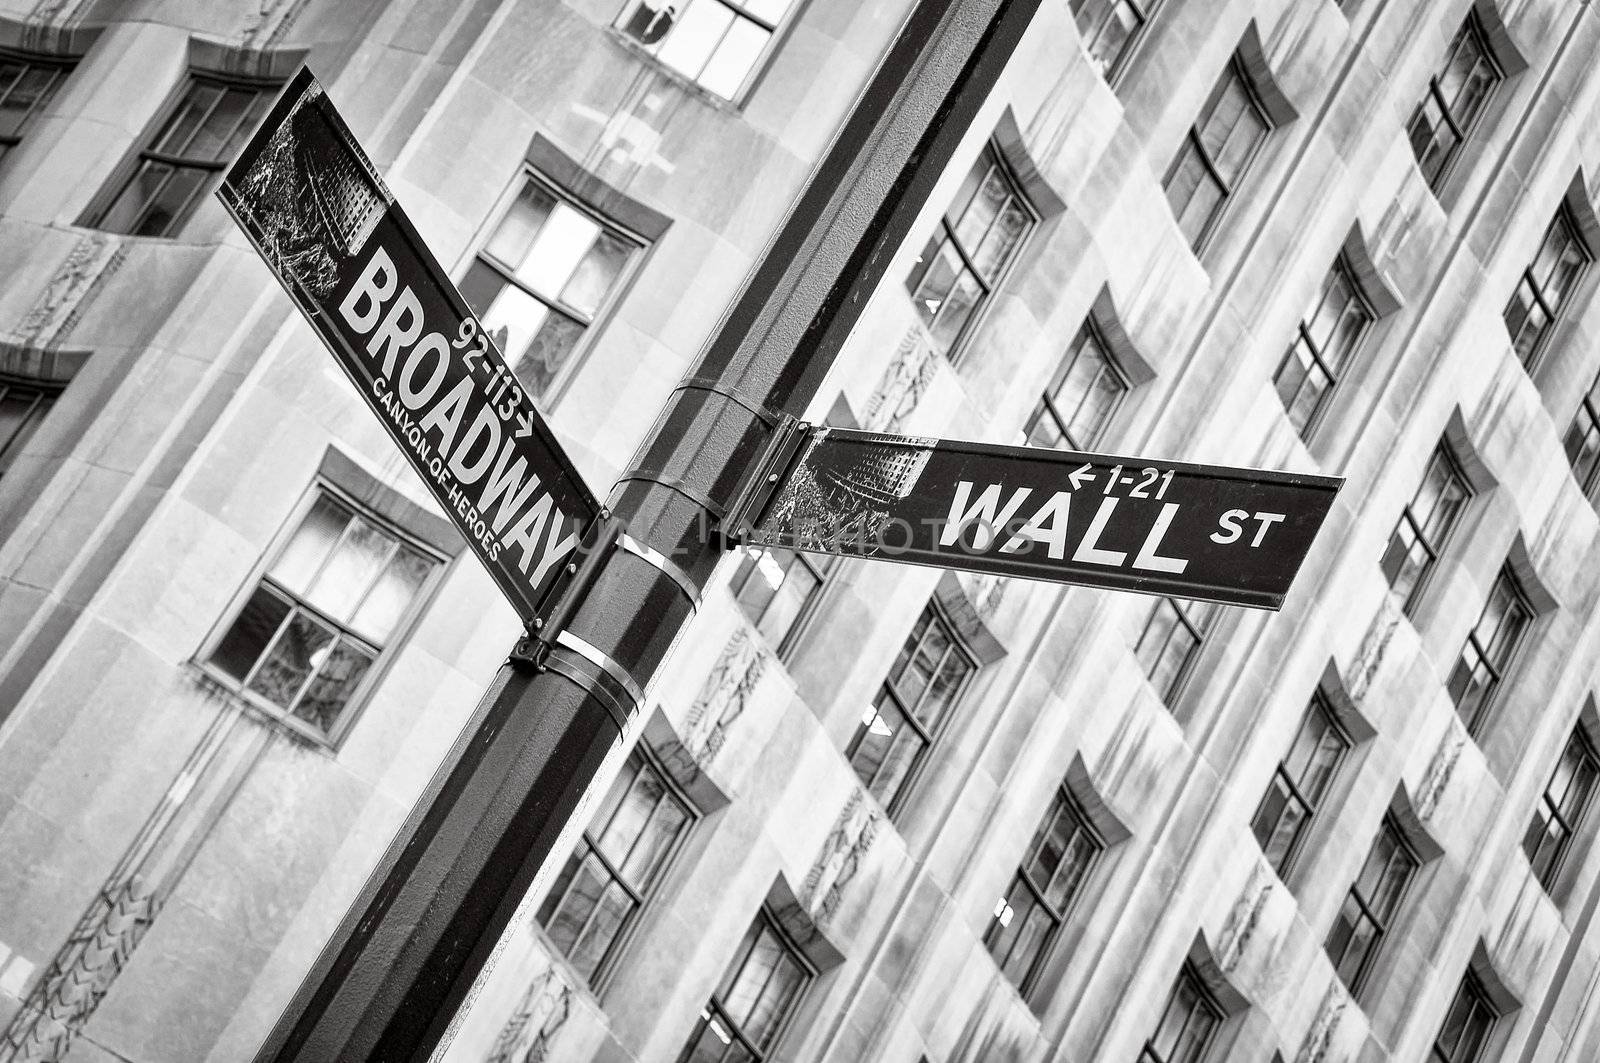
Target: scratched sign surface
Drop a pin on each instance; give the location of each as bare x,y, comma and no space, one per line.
312,203
1236,536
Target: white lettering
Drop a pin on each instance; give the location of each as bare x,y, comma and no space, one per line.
415,397
486,430
1089,550
506,485
982,512
393,335
1266,520
1147,557
1049,525
1230,526
445,418
369,287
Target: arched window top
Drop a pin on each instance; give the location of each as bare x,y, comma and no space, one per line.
1253,61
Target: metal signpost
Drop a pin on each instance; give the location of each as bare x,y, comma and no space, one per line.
408,952
1235,536
312,203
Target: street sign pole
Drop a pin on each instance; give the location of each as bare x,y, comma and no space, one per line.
406,955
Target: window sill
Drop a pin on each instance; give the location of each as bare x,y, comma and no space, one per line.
215,685
683,81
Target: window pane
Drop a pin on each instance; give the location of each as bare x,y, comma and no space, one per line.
313,540
561,243
698,32
512,320
247,639
352,568
547,353
291,660
513,238
593,278
392,594
734,58
338,674
957,310
886,750
22,408
25,90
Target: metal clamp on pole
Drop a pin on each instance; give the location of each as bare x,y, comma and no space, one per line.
598,542
766,475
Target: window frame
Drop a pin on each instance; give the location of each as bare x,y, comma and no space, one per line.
360,698
1180,681
48,394
1088,335
1069,806
1188,974
777,35
1567,223
819,566
994,153
641,245
62,65
929,736
1383,927
614,952
1235,68
1477,998
713,1008
1589,757
1341,266
1472,26
1457,472
1497,670
1111,72
122,176
1319,703
1588,408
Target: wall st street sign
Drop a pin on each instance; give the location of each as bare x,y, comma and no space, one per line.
1218,534
312,203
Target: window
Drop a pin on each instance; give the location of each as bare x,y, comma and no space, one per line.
1188,1023
1171,641
1425,526
1583,443
323,612
27,82
1299,785
901,723
1028,917
1327,338
1078,404
177,166
714,43
23,405
1466,1025
777,588
1370,906
1489,649
1455,101
1110,29
1561,809
1545,286
1216,154
743,1019
609,877
544,275
976,240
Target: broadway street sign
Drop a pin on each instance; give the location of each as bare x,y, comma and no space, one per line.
313,205
1194,531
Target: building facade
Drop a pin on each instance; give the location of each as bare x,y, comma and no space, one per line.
872,812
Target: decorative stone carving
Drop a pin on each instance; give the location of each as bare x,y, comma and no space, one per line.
1245,916
1439,772
904,382
723,696
543,1010
1373,647
1319,1039
265,26
70,290
846,846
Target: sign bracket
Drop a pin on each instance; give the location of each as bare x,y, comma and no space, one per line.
600,540
765,479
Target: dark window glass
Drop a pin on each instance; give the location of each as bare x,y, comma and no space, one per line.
1583,443
1561,809
1110,29
1188,1023
543,276
608,879
23,405
1327,338
1171,641
976,240
759,992
900,725
1425,525
1545,286
1466,1025
1489,648
27,83
714,43
1216,154
1078,404
1370,907
189,150
1455,101
1299,785
323,612
777,588
1028,917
